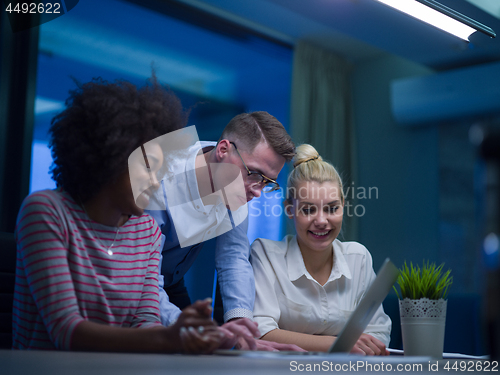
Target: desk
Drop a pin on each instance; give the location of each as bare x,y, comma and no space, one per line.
261,363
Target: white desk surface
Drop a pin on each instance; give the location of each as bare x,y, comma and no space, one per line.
260,363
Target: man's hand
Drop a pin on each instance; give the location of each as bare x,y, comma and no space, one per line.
268,346
240,329
369,345
241,334
272,346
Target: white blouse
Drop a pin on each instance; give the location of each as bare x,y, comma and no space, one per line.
288,297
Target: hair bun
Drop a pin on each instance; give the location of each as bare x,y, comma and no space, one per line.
304,154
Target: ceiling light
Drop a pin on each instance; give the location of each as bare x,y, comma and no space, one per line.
440,16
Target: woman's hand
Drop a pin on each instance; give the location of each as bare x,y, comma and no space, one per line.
198,333
200,340
369,345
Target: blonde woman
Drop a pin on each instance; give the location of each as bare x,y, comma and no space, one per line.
307,285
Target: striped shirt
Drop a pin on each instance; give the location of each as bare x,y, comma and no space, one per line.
64,274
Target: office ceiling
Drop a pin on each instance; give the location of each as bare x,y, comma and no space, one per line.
363,29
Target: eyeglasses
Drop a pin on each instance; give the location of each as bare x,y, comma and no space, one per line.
257,178
147,165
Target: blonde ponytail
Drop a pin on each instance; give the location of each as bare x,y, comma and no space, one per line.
308,166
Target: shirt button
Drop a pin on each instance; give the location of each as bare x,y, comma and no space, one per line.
324,321
204,213
176,272
197,206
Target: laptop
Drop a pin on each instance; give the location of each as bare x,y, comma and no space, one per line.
363,314
359,319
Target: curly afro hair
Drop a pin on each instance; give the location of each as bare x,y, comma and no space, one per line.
103,123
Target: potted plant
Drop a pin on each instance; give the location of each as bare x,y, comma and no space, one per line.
422,307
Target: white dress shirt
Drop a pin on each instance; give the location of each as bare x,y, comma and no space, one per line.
186,223
288,297
194,221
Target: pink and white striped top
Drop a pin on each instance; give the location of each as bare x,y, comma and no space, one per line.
65,275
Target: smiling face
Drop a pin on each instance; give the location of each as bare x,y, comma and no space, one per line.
317,212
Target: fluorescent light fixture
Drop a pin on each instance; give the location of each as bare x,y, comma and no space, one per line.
440,16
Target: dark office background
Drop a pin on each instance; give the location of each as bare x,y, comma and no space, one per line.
429,179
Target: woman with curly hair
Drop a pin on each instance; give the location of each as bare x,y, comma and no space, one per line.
87,261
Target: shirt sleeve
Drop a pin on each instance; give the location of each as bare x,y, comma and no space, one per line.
148,311
43,243
160,217
266,310
234,272
380,325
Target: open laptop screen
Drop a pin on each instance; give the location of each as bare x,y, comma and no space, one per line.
364,312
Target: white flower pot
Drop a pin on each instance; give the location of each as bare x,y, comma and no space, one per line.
422,325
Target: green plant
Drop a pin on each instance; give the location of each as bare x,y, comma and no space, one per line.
426,282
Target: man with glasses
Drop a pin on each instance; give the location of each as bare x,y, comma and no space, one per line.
257,146
257,179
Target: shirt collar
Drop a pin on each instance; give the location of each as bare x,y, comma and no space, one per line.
296,267
190,170
192,182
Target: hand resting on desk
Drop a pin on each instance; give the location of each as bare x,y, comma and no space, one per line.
242,334
242,329
184,336
271,346
369,345
197,331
